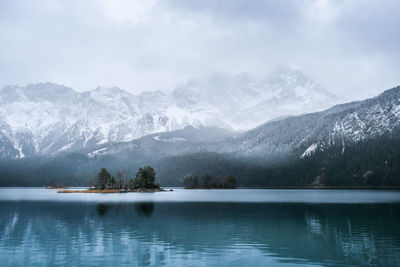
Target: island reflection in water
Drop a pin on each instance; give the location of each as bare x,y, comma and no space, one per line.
209,234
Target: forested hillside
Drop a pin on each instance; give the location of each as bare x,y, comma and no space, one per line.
350,145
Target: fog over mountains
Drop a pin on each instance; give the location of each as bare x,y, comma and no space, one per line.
48,119
298,136
353,144
337,126
277,131
51,134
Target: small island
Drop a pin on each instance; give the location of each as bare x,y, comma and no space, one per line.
144,181
209,182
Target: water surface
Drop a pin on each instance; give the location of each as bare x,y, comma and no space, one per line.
39,227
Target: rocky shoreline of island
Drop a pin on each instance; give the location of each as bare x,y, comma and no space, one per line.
111,191
105,183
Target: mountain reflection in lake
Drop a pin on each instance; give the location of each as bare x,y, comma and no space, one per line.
208,234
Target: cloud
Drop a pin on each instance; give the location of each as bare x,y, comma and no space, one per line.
124,12
348,46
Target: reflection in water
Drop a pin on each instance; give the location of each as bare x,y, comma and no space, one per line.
102,208
213,234
144,208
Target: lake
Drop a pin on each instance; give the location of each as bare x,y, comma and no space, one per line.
242,227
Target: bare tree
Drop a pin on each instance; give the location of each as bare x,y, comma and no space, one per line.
122,180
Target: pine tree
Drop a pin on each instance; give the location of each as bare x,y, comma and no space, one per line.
103,178
145,178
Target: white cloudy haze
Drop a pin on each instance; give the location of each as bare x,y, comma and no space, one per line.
351,47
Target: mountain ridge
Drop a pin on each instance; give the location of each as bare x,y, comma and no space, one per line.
48,118
352,122
352,144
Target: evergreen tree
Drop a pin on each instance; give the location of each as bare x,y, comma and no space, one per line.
207,181
112,182
145,178
230,182
103,178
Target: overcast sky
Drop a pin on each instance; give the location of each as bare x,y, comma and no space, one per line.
351,47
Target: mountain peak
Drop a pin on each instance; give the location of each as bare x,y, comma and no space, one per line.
110,91
48,91
61,119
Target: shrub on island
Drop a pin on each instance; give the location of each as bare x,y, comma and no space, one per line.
104,182
144,180
209,182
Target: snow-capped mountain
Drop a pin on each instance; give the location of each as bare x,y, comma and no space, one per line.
349,144
47,118
339,125
298,136
244,102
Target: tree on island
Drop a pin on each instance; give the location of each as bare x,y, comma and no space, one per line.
104,179
145,178
122,182
230,182
209,182
191,182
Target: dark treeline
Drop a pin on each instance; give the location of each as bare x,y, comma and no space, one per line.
144,179
209,182
369,163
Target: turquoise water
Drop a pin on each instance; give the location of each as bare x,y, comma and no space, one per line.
39,227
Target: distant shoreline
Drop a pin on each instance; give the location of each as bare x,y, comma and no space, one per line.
328,187
110,191
275,187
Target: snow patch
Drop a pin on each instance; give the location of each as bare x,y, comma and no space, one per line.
96,152
169,140
310,150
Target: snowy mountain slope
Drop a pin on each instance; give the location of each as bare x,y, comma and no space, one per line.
352,122
57,119
351,144
46,118
244,102
298,136
178,142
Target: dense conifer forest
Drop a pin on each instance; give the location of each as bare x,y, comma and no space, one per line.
368,163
